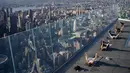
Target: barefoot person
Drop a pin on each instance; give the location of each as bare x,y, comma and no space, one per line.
119,29
105,45
122,25
113,35
90,60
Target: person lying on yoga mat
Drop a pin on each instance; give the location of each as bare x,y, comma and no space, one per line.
104,45
90,60
117,31
113,35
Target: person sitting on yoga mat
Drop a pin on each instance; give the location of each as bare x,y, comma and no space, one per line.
104,45
119,29
90,60
112,34
122,25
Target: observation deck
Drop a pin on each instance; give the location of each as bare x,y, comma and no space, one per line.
118,54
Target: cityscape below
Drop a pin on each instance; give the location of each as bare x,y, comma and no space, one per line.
43,36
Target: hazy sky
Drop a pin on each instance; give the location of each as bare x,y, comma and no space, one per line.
21,1
31,1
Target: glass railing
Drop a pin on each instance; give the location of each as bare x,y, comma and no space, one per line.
47,47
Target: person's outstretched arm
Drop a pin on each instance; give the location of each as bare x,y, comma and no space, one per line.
86,57
96,56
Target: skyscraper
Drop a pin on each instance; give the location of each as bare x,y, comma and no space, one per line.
13,21
7,12
19,22
5,15
11,10
30,13
74,26
8,24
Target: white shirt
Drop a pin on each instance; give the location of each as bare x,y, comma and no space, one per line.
90,60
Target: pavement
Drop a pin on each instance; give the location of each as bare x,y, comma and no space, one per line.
119,61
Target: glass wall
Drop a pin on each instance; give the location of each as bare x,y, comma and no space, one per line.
44,49
7,66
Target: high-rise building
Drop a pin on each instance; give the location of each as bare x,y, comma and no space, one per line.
21,13
8,24
13,21
30,13
74,26
11,10
41,10
5,15
19,21
3,21
7,12
34,16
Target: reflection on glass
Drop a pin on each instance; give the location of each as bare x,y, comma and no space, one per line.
45,48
